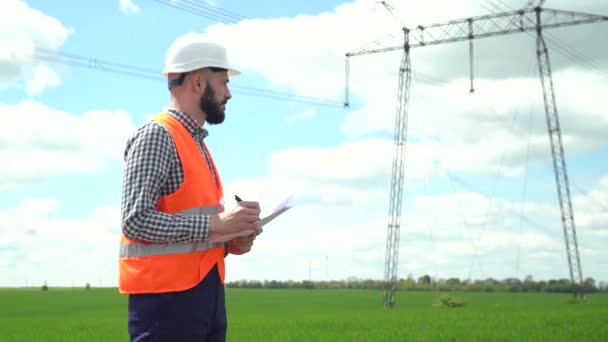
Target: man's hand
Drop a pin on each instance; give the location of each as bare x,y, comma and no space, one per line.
240,245
241,217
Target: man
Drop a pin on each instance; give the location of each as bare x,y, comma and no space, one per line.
173,201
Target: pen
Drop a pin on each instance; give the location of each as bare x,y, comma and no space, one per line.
237,198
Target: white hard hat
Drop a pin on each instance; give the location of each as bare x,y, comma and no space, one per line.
192,51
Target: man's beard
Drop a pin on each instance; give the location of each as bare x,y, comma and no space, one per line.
211,107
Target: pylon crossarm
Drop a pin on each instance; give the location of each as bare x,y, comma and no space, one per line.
485,26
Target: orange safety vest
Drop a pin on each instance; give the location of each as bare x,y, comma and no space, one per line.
166,267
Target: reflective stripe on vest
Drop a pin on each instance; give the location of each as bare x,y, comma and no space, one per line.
137,249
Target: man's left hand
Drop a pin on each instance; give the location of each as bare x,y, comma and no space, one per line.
240,245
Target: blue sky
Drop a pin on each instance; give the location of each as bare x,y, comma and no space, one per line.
479,198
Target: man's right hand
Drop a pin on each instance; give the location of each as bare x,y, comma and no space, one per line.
242,216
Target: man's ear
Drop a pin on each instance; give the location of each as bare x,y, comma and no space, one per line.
199,82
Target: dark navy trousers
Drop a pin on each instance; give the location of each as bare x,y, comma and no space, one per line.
197,314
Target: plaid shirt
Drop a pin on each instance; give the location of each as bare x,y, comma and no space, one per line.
153,170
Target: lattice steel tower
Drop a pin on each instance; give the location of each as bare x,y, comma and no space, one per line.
529,19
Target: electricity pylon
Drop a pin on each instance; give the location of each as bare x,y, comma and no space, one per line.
529,19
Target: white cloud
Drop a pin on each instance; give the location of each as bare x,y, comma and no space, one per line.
338,242
37,245
43,77
339,188
310,56
340,191
42,141
351,173
591,209
302,116
339,220
29,30
498,107
128,7
489,132
348,161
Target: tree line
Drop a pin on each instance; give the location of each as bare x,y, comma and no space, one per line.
427,283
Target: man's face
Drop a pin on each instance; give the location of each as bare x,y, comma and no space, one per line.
214,98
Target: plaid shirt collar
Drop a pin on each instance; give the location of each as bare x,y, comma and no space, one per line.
188,122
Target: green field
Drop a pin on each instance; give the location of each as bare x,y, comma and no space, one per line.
319,315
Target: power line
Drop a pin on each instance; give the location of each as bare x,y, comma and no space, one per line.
494,187
585,193
95,63
476,252
431,230
577,57
476,255
524,193
558,44
536,19
468,186
453,178
484,6
216,9
511,128
494,5
202,9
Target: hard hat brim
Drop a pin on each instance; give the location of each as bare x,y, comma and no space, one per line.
231,72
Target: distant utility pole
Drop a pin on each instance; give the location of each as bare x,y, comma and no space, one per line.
309,271
327,267
529,19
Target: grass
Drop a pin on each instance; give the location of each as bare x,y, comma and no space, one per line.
319,315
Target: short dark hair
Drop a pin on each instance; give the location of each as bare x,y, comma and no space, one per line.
216,69
177,81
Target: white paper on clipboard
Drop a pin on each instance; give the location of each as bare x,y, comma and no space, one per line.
280,209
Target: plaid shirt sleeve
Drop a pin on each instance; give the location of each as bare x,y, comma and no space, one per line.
150,157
